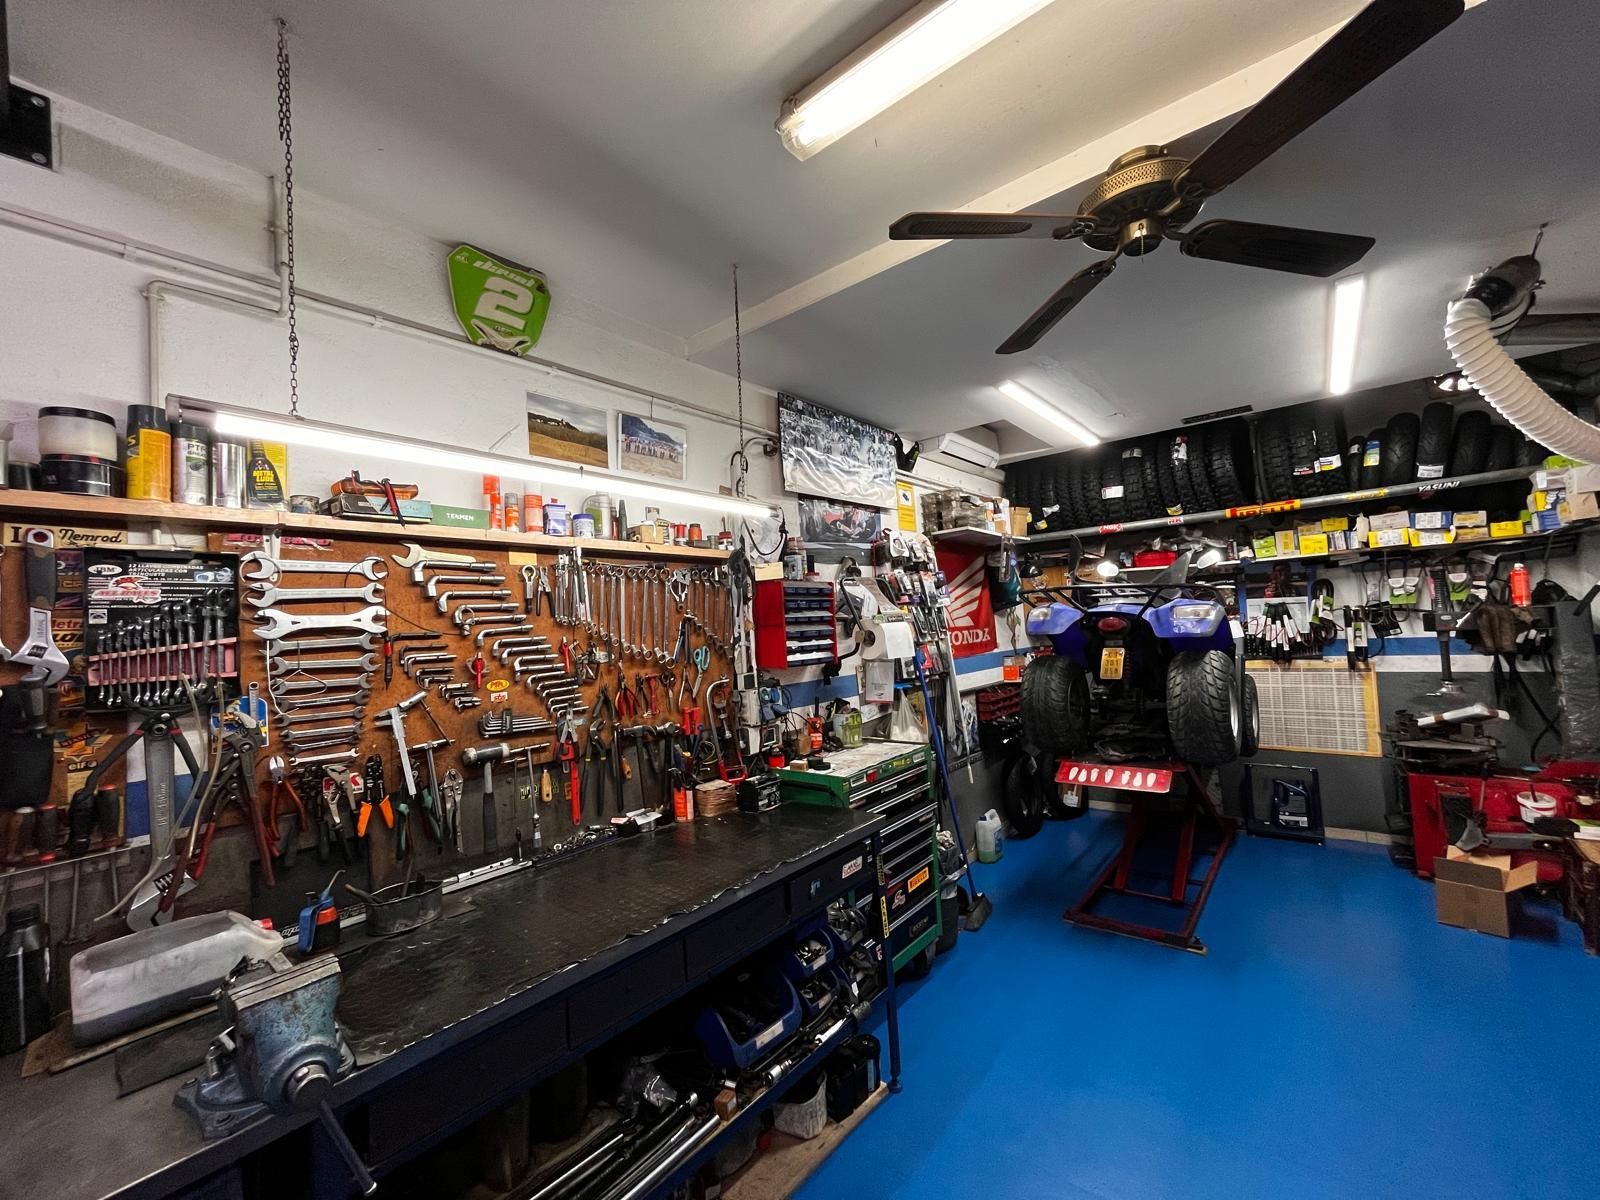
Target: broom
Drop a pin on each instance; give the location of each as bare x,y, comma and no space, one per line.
981,907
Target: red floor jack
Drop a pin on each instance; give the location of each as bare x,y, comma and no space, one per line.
1145,782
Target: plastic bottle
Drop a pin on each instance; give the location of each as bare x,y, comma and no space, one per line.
24,978
991,837
1521,586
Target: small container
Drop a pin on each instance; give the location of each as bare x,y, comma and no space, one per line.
598,506
991,837
78,431
555,518
24,476
147,454
24,978
724,540
228,465
794,565
582,525
5,453
532,512
303,502
80,475
1521,586
695,533
511,506
191,463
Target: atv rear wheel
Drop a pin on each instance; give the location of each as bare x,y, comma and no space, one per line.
1250,732
1204,717
1055,704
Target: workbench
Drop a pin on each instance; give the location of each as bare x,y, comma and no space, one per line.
453,1020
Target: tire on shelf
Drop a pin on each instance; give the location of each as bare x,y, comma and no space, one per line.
1203,707
1136,502
1044,492
1228,465
1055,704
1154,505
1469,449
1327,424
1433,440
1277,463
1199,480
1371,475
1065,489
1022,480
1250,720
1503,442
1399,463
1090,510
1113,508
1530,453
1170,493
1303,456
1023,799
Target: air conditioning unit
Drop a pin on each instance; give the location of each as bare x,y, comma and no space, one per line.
977,447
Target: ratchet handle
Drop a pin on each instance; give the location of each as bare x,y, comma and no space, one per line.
40,571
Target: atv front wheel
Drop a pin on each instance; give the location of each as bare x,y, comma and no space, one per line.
1250,733
1204,716
1055,704
1028,784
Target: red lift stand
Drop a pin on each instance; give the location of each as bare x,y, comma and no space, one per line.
1145,782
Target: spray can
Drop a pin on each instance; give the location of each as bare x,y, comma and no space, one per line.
511,506
532,512
191,463
147,454
1521,586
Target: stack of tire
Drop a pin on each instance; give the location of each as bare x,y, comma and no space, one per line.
1193,470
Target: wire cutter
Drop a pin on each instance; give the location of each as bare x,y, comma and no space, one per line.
373,785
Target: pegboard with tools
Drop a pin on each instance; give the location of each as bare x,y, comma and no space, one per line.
501,701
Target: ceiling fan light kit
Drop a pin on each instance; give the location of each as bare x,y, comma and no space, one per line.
1040,407
921,45
1149,195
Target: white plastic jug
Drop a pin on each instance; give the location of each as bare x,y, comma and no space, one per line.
991,837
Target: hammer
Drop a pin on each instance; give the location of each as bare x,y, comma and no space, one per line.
486,757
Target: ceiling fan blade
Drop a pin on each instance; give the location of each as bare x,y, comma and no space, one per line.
1276,247
1067,297
941,225
1371,42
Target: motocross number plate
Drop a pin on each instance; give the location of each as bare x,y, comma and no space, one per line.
1111,662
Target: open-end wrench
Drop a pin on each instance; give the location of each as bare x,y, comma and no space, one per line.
372,567
432,586
266,595
313,716
39,652
306,738
332,756
367,641
287,687
299,704
415,554
367,663
273,624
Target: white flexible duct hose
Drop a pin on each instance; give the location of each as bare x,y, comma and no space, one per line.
1498,378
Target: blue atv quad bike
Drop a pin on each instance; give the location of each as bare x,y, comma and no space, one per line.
1138,671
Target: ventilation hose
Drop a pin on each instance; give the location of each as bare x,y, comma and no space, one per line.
1470,333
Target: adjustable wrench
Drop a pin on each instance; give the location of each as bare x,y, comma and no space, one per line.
39,651
265,595
372,567
274,624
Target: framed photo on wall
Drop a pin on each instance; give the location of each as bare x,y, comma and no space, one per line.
568,432
650,446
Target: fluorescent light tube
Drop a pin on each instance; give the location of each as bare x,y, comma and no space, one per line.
1345,332
929,39
1040,407
230,421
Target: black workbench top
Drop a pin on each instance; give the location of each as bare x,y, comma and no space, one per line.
526,938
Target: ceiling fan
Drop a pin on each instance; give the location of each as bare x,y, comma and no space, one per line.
1148,196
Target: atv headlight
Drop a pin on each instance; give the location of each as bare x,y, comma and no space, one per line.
1199,619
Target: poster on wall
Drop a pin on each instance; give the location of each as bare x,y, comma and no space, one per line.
652,447
500,304
835,523
826,453
970,613
569,432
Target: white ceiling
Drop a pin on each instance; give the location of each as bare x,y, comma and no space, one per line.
626,147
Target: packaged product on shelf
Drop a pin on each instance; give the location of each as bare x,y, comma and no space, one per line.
266,482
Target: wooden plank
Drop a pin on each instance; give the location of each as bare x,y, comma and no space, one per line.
65,508
789,1162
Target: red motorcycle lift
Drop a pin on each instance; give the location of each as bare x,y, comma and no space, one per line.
1144,782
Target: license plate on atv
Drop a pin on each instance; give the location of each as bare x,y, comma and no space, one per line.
1111,658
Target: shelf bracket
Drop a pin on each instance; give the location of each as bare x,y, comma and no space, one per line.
24,114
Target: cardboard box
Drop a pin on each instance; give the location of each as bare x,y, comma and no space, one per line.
1579,506
1264,545
1020,519
1473,891
1430,537
1286,542
1335,524
1387,521
1501,529
1313,543
1436,519
1473,533
1387,537
1473,518
1545,520
1585,478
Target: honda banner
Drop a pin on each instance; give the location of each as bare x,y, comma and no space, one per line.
971,615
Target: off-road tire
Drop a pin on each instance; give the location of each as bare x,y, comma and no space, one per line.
1502,454
1064,493
1055,705
1167,482
1371,477
1277,460
1530,453
1136,502
1200,707
1090,510
1199,480
1303,457
1024,796
1228,464
1399,464
1433,442
1469,449
1249,720
1327,427
1113,509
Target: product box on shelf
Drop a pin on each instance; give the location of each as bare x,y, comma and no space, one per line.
1500,529
1264,545
1472,518
1389,520
1286,542
1435,519
1020,520
1579,506
1430,537
1314,543
1380,538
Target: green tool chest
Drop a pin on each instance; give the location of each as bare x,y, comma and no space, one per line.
896,780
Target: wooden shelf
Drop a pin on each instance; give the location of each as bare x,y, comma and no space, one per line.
71,509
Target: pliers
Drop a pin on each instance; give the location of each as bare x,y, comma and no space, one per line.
285,848
372,784
567,753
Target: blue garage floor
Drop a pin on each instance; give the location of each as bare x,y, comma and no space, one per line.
1336,1041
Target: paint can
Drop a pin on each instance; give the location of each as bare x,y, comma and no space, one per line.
147,453
228,465
582,525
191,463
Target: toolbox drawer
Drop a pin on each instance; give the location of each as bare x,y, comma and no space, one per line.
910,888
737,932
912,924
812,889
618,997
902,801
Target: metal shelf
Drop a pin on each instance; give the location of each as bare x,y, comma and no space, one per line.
973,535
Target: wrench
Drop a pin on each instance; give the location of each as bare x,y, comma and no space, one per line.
273,624
445,599
415,554
297,704
265,595
432,586
306,760
372,567
351,712
39,651
468,613
367,663
284,687
530,586
367,641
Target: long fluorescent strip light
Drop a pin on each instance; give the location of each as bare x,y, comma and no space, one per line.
1040,407
1345,332
923,44
318,435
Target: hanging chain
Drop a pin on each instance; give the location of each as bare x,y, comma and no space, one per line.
286,136
738,376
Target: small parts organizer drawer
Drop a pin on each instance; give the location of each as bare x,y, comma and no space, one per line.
794,623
